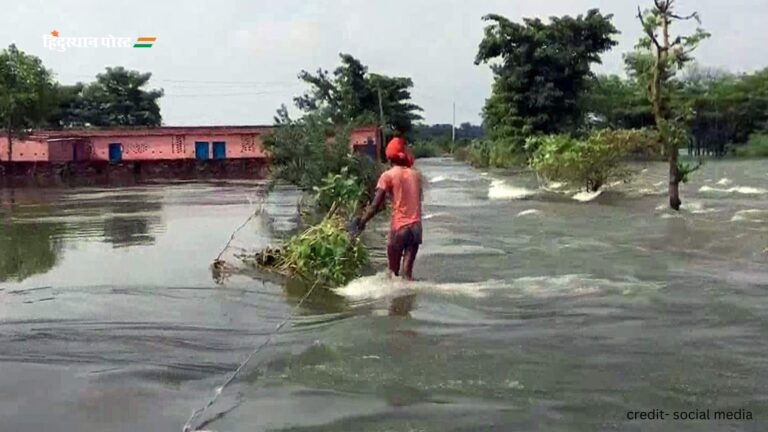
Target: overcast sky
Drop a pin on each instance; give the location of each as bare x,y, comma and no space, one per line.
235,62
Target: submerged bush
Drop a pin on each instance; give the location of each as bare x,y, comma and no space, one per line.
591,162
425,149
756,147
343,188
324,254
491,153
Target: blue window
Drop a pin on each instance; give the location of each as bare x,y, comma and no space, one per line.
115,152
201,150
219,150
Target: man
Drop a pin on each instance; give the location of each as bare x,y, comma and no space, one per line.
403,184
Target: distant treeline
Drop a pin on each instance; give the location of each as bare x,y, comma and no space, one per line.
434,140
436,131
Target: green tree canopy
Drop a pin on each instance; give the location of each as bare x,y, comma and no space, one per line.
117,98
351,94
25,92
617,103
541,70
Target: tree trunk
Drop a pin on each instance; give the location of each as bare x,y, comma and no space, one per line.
674,181
9,131
662,58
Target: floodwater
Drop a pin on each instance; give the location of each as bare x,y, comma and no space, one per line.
533,310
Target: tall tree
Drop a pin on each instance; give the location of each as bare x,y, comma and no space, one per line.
70,108
351,94
668,56
541,71
118,98
25,93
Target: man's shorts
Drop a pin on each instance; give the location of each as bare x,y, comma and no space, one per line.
407,236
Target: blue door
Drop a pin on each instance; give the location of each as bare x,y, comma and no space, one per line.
219,150
115,152
201,150
371,148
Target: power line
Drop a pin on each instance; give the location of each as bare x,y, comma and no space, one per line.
223,94
202,82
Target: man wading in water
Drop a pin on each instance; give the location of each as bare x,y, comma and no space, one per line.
403,184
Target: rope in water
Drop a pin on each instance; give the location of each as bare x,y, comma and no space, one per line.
219,390
258,211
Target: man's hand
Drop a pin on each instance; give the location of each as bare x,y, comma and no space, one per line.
375,207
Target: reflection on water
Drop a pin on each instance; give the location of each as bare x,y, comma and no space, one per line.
531,310
28,249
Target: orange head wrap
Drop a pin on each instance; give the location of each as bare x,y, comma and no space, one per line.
397,152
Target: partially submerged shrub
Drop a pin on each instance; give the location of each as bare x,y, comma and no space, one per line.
426,149
323,254
305,151
505,153
591,162
343,188
756,147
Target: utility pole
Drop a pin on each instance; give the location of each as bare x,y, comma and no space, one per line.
381,121
453,127
381,111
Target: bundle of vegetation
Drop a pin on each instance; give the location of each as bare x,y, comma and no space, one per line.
591,162
324,253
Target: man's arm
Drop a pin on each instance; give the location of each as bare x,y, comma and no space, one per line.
376,206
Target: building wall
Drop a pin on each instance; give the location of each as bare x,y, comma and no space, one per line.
181,146
62,146
24,150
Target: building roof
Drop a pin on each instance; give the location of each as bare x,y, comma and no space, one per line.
153,131
161,130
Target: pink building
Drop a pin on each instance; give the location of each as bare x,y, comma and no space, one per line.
157,144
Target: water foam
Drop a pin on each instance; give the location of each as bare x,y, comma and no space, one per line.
697,207
384,286
500,190
585,196
556,185
433,215
529,212
750,215
724,181
745,190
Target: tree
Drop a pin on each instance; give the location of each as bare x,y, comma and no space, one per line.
541,71
667,57
70,107
351,95
118,98
25,93
616,103
727,108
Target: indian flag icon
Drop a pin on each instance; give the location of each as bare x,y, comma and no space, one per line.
144,42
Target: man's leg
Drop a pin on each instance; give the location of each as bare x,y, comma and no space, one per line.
395,251
412,242
408,259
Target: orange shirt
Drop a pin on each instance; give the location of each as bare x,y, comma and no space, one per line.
403,185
